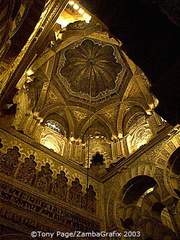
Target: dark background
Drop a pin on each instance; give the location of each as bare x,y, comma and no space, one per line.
149,31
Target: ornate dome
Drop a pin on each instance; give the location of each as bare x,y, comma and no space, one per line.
91,68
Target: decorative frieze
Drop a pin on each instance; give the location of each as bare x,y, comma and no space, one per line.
27,202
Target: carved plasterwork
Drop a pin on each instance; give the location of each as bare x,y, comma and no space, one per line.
85,85
51,98
45,166
111,114
26,171
134,92
140,136
99,61
79,116
94,67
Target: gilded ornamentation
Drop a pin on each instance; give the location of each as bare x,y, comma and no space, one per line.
91,68
111,114
59,186
51,98
2,69
80,116
75,193
27,171
43,178
10,161
78,25
89,200
42,208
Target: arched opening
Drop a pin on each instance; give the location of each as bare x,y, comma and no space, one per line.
156,210
57,123
136,187
96,138
52,135
54,125
174,162
137,128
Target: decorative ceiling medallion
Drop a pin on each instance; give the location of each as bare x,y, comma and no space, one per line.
91,68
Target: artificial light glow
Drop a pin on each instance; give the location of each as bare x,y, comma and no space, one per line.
149,112
76,6
62,22
72,139
53,126
71,3
87,17
150,190
151,105
30,72
141,143
120,135
50,143
114,137
81,11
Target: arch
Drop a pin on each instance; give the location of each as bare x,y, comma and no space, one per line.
91,125
52,110
170,155
59,121
116,208
131,118
156,210
125,107
136,187
166,219
174,162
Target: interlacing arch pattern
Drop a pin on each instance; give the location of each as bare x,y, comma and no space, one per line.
123,213
43,180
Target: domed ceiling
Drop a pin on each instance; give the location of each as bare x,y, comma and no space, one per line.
91,69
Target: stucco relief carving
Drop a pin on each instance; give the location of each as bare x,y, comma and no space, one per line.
139,134
10,161
44,178
159,175
59,186
91,68
26,171
41,207
99,145
89,200
45,181
75,193
80,116
51,139
51,98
